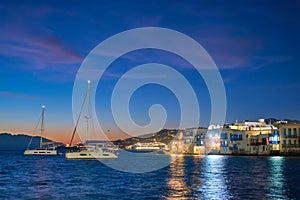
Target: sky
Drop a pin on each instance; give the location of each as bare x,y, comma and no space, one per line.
255,45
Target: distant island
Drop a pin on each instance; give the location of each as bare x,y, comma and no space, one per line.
19,142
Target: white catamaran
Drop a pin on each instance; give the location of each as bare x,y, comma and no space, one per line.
41,151
90,151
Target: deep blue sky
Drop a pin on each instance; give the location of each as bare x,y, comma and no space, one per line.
255,45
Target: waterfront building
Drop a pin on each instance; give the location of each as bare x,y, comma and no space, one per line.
212,139
290,136
259,145
188,141
274,142
176,146
242,138
224,140
252,138
199,147
199,150
237,141
183,142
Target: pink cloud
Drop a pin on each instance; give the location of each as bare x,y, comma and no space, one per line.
24,38
43,51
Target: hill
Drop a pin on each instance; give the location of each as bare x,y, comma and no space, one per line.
272,120
10,142
164,136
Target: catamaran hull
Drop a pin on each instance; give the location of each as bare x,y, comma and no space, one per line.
40,152
90,155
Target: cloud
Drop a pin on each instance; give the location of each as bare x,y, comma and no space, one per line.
230,51
92,74
18,95
40,50
26,36
263,61
139,76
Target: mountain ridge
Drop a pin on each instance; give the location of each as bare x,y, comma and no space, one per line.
19,142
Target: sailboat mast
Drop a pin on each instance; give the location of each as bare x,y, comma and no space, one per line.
42,126
87,111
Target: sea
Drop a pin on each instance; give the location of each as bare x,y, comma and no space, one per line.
185,177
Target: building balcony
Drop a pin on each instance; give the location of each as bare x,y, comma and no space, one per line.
290,145
258,143
235,139
291,136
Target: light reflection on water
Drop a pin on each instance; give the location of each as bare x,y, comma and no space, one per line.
201,179
229,177
277,187
176,182
214,184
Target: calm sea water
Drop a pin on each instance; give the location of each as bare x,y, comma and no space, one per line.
189,177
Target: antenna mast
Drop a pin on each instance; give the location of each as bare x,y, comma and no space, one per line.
87,111
42,126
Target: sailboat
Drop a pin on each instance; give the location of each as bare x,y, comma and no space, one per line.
89,151
41,151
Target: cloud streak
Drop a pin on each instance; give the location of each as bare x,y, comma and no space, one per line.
38,45
43,51
18,95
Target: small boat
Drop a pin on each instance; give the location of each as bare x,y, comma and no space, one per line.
89,151
41,151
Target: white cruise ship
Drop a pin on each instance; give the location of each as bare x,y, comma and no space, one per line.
148,146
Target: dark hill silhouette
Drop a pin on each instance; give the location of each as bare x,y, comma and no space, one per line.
9,142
